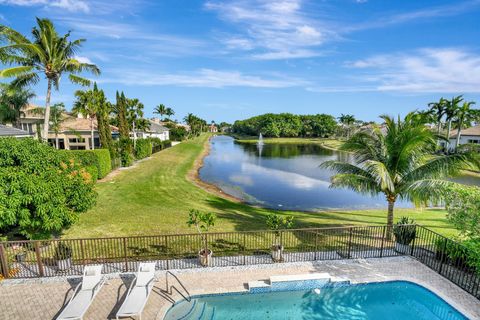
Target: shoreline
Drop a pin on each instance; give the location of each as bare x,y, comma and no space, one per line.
194,176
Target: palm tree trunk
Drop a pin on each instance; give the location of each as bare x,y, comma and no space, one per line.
92,134
460,124
449,128
47,111
439,128
391,204
56,140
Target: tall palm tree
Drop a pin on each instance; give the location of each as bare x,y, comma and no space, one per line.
169,112
134,116
87,106
451,111
438,109
161,110
464,114
398,162
48,53
12,101
347,120
56,118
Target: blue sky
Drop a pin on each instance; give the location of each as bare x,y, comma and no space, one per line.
228,60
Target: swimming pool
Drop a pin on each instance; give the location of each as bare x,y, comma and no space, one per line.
376,301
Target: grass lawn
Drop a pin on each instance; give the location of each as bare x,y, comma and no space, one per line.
155,196
326,142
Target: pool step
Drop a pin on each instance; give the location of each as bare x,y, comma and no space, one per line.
296,282
208,313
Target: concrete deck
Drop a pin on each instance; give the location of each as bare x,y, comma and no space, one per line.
44,298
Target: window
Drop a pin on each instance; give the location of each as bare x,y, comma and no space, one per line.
473,141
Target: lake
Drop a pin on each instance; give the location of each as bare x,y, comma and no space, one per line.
281,176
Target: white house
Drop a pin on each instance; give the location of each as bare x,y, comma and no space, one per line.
155,130
469,135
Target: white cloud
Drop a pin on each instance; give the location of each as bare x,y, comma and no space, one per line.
445,70
70,5
203,78
83,59
272,29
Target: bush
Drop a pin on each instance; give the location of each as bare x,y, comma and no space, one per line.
63,252
405,231
99,158
126,151
42,190
166,144
462,254
93,171
143,148
463,206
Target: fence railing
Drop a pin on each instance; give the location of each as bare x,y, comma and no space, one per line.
46,258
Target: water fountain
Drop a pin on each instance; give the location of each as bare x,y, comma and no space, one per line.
260,144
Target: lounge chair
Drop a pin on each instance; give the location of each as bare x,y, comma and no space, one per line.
84,293
139,291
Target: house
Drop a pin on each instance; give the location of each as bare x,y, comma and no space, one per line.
213,128
467,136
155,129
30,120
9,131
75,134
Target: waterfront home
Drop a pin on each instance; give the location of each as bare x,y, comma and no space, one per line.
155,129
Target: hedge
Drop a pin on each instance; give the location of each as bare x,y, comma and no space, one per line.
143,148
100,158
159,145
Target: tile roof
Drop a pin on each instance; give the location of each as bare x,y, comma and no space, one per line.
472,131
156,127
80,124
6,131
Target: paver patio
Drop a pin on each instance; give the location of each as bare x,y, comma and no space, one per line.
44,298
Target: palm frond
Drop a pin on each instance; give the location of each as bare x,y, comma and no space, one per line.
356,183
427,190
79,80
15,71
25,80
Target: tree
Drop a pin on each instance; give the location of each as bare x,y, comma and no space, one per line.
451,111
464,114
438,109
463,206
56,118
86,105
161,110
398,163
41,191
48,53
169,112
347,120
134,116
12,102
104,108
126,148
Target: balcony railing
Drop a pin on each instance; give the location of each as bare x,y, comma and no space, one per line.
47,258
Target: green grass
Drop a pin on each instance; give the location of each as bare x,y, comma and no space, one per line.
155,196
326,142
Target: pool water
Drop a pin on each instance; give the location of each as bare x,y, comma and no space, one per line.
377,301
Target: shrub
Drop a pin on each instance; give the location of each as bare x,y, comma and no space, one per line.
463,206
143,148
63,251
461,254
42,190
166,144
405,231
93,171
126,151
99,158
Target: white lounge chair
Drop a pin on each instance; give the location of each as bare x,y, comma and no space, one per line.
84,293
139,291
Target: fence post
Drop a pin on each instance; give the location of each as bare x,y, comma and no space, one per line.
125,253
82,252
350,243
166,251
281,245
3,261
244,249
383,240
316,244
206,250
444,255
39,259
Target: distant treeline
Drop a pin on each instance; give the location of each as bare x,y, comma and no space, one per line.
287,125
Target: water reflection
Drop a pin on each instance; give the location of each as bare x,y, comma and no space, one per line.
281,176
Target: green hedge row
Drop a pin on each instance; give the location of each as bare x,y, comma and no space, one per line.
159,145
143,148
99,159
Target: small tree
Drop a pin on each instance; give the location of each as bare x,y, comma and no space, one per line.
202,221
277,223
41,190
463,206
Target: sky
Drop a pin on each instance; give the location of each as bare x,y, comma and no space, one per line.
229,60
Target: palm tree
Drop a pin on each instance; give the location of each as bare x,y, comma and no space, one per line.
134,116
347,120
451,110
169,112
86,105
438,109
161,110
56,118
12,102
398,162
48,53
464,114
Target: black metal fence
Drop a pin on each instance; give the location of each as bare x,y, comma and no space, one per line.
26,259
